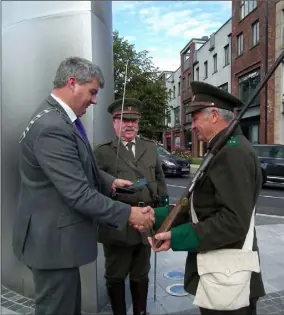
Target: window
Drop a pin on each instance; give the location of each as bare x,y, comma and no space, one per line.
197,74
227,55
215,63
240,44
224,87
254,133
162,151
179,88
188,80
255,33
187,118
246,7
247,85
168,118
177,113
205,70
187,114
177,141
269,151
174,92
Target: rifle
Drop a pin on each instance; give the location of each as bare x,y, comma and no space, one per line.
184,200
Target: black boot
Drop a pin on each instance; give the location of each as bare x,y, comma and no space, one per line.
139,292
116,293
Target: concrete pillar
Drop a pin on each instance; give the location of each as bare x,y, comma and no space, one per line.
36,37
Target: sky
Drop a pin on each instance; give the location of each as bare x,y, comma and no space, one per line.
165,27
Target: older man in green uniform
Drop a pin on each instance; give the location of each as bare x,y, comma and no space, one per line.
128,252
223,199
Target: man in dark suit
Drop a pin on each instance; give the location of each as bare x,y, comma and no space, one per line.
128,252
63,193
223,199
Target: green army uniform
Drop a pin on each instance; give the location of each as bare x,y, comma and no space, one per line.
223,200
128,252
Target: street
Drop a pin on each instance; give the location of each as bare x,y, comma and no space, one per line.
271,201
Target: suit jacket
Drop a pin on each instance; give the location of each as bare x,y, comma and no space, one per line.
63,195
223,201
147,161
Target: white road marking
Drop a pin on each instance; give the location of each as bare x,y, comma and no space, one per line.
270,216
274,197
176,186
263,196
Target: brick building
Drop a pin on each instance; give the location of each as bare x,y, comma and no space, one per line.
236,57
250,50
279,76
187,60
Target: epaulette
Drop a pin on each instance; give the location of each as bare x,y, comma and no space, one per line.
233,142
103,144
146,139
38,116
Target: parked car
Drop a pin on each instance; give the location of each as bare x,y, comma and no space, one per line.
172,164
271,157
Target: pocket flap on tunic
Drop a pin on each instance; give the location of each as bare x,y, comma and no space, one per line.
66,220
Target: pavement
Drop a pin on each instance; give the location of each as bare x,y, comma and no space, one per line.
270,232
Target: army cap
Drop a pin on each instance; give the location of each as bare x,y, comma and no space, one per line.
207,95
131,110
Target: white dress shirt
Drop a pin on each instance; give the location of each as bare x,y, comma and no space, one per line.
133,146
68,109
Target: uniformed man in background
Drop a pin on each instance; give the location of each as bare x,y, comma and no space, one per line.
223,199
128,252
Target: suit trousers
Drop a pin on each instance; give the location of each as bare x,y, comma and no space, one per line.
249,310
57,291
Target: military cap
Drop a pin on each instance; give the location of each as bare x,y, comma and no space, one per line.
131,110
207,95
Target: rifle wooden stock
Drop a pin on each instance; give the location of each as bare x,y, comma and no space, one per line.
171,218
168,222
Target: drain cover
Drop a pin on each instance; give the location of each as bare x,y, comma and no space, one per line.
176,290
174,275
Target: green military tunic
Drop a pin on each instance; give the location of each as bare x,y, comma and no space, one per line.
147,161
223,201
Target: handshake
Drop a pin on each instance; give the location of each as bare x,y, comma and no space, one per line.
142,218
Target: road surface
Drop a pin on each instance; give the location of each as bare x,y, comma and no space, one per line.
271,201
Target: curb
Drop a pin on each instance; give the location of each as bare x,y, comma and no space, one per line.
193,168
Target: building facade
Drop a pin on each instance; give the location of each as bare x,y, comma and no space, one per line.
279,76
236,58
253,52
187,59
171,137
212,64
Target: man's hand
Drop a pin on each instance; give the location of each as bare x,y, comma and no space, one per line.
120,183
142,218
165,237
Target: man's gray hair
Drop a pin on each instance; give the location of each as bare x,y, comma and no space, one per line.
226,115
81,69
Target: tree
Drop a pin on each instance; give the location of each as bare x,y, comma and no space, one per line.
142,83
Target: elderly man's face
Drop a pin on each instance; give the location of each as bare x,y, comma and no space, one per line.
203,123
83,95
129,128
